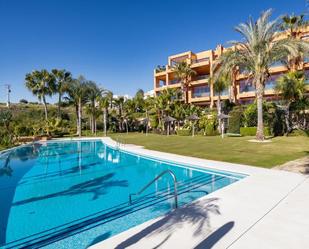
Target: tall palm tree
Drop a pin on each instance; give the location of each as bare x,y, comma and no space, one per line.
62,79
104,103
93,93
77,93
42,84
292,24
184,73
222,83
291,87
256,53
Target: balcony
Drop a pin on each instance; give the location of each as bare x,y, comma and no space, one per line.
206,59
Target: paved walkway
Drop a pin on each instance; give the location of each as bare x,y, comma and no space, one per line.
268,209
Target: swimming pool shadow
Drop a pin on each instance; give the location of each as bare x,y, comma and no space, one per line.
97,187
196,214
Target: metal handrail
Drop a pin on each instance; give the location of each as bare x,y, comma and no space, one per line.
155,179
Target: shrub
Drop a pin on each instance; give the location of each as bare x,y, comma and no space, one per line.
208,124
235,120
297,133
184,132
210,131
251,131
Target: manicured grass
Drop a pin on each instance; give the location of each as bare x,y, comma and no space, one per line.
229,149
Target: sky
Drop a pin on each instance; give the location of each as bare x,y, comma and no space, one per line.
115,43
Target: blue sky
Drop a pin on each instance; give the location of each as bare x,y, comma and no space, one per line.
115,43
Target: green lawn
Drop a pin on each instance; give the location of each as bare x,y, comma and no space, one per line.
230,149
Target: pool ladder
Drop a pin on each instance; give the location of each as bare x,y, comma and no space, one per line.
155,179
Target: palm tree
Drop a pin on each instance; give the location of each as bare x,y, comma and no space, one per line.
292,24
62,79
184,73
93,93
221,84
256,53
291,87
104,103
42,84
77,92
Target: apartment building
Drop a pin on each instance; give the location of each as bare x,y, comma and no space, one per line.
201,91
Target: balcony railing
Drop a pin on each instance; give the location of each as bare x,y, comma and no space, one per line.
200,94
200,60
225,92
202,77
160,69
201,91
277,64
174,81
246,87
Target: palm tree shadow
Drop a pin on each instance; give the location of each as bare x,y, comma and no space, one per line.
196,214
97,187
212,239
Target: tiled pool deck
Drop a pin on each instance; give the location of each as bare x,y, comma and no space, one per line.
267,209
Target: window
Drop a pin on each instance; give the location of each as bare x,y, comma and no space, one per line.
200,91
246,86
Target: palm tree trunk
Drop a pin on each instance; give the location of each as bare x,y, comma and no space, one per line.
287,119
77,122
45,107
219,112
104,121
186,95
59,103
260,125
80,117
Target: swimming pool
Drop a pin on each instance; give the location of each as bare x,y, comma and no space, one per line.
72,194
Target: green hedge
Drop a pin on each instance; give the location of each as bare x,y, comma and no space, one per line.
296,133
235,120
184,133
210,131
251,131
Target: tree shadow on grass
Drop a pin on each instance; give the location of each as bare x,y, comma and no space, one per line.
196,214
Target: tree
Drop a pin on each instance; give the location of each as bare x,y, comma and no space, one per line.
184,73
62,81
77,93
221,84
42,84
92,93
104,100
256,53
292,24
291,87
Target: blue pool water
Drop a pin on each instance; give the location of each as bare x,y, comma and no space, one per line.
73,194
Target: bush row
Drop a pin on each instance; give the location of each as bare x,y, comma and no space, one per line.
251,131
